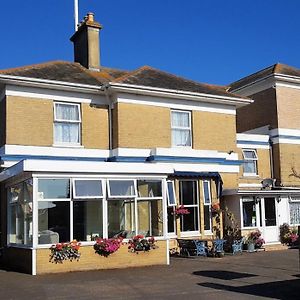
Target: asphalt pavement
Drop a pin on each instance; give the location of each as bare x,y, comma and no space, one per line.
262,275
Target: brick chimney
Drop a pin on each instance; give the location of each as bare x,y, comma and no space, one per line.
87,44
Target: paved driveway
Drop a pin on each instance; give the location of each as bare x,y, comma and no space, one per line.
261,275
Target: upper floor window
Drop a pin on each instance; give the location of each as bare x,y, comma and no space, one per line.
250,162
181,128
67,123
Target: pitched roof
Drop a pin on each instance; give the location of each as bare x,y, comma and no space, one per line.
144,76
148,76
57,71
274,69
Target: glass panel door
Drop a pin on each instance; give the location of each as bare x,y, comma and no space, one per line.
270,212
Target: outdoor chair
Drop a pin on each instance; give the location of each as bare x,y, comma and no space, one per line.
237,246
201,249
218,247
187,247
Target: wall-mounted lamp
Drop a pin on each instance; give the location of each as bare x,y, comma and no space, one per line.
278,199
257,199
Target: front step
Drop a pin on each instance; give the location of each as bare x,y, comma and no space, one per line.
275,247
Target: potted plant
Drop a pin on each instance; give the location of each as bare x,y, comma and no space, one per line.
181,211
64,251
140,243
106,247
254,241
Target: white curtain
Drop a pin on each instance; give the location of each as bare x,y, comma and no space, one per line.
181,133
67,133
67,112
294,213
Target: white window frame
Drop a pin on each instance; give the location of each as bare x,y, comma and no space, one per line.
292,200
209,231
182,128
54,199
174,194
56,120
86,197
257,211
195,232
254,160
125,196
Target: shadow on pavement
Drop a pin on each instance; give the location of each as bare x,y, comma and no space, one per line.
287,289
225,275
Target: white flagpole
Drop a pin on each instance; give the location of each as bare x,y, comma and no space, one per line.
76,14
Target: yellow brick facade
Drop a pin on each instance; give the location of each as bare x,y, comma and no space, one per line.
287,159
145,126
288,105
263,167
214,131
141,126
30,122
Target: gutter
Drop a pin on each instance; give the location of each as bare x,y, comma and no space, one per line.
37,82
167,93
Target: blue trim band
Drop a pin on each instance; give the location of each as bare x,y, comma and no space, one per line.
126,159
291,137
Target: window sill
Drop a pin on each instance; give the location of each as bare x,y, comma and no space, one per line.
251,175
67,146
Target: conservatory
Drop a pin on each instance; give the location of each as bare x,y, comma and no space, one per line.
50,203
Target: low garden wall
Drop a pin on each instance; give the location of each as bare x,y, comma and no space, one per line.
89,260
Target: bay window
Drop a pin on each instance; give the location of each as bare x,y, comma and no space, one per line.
181,127
67,123
84,209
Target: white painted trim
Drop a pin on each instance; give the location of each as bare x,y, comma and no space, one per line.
33,253
120,87
205,168
190,234
54,95
188,152
53,151
135,152
252,146
285,131
250,185
180,104
253,137
168,251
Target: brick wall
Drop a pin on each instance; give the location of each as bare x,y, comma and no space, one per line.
30,122
95,127
91,261
288,103
214,131
141,126
260,113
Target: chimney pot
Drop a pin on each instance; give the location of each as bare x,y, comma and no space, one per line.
90,17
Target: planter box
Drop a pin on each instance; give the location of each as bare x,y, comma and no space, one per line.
91,261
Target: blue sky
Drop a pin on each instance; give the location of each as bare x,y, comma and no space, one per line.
214,41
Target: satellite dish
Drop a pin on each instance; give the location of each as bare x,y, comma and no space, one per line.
268,183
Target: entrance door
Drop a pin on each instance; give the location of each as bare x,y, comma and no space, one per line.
270,220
